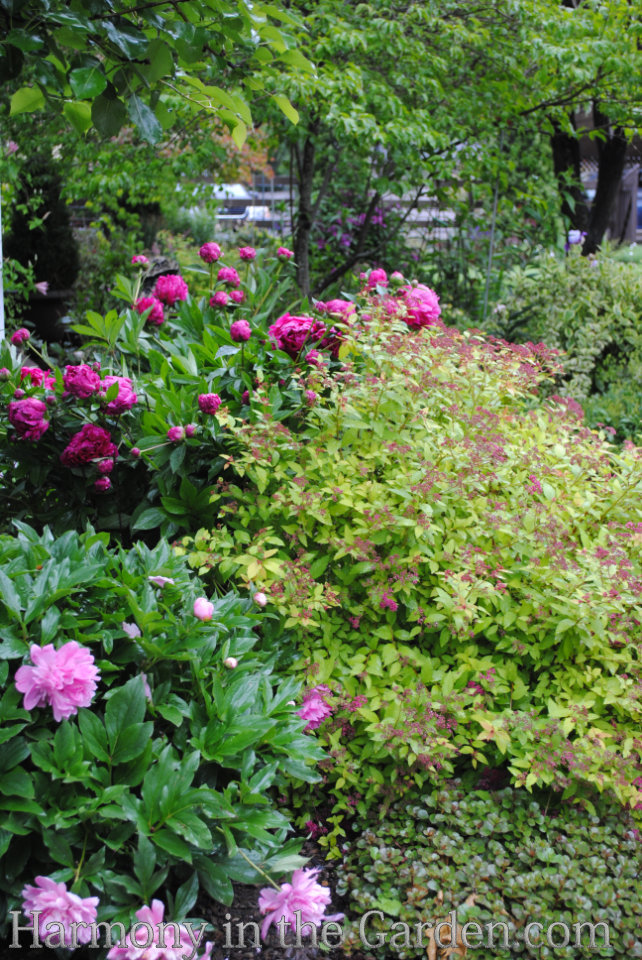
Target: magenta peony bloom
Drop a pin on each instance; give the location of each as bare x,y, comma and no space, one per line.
20,336
176,434
291,333
302,894
375,278
28,418
229,276
105,466
209,402
56,904
65,679
135,945
247,253
190,429
240,331
90,443
341,308
81,381
315,708
237,296
38,377
284,254
203,609
170,288
124,400
140,258
219,299
422,306
210,252
156,313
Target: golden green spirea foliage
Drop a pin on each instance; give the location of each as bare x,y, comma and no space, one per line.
458,562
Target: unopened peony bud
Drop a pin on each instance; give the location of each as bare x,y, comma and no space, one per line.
176,434
231,662
4,373
135,452
20,336
102,484
203,609
260,599
18,394
190,429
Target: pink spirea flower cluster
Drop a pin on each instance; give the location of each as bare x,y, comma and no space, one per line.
64,679
38,377
27,417
209,402
210,252
387,602
170,289
124,400
81,381
56,904
156,314
291,334
422,306
90,443
136,948
302,893
315,707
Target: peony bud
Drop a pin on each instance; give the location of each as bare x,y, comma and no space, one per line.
231,662
203,609
18,394
135,452
4,374
102,484
260,599
190,429
20,336
176,434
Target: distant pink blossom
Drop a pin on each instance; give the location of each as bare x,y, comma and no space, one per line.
315,707
237,296
140,258
12,147
147,690
229,276
387,602
105,466
247,253
310,397
284,254
240,331
260,599
302,894
190,429
20,336
135,945
220,299
291,333
156,314
170,289
210,252
131,629
340,307
375,278
56,904
64,679
42,287
422,306
209,402
245,396
125,398
176,434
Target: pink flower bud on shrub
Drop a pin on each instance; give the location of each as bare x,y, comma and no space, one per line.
135,452
176,434
219,299
102,484
20,336
190,429
210,252
18,394
260,599
203,609
209,402
284,254
247,253
240,331
237,296
230,662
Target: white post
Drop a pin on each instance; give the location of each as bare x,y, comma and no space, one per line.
1,285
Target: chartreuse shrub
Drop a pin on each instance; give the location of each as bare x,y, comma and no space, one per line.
459,564
161,781
495,858
591,309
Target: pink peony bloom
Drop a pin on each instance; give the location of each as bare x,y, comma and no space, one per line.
170,288
209,402
176,434
81,381
124,399
42,287
28,418
131,629
247,253
260,599
38,377
190,429
339,307
230,663
135,945
20,336
422,306
229,276
240,331
156,314
90,443
375,278
159,581
102,485
237,296
291,333
220,299
139,258
303,894
203,609
210,252
105,466
315,708
56,904
65,679
284,254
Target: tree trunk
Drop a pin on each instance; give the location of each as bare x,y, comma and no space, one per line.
612,154
566,163
305,215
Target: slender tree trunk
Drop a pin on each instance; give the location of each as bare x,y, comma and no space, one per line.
305,175
566,163
612,154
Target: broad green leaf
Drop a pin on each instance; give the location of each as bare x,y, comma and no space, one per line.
26,100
